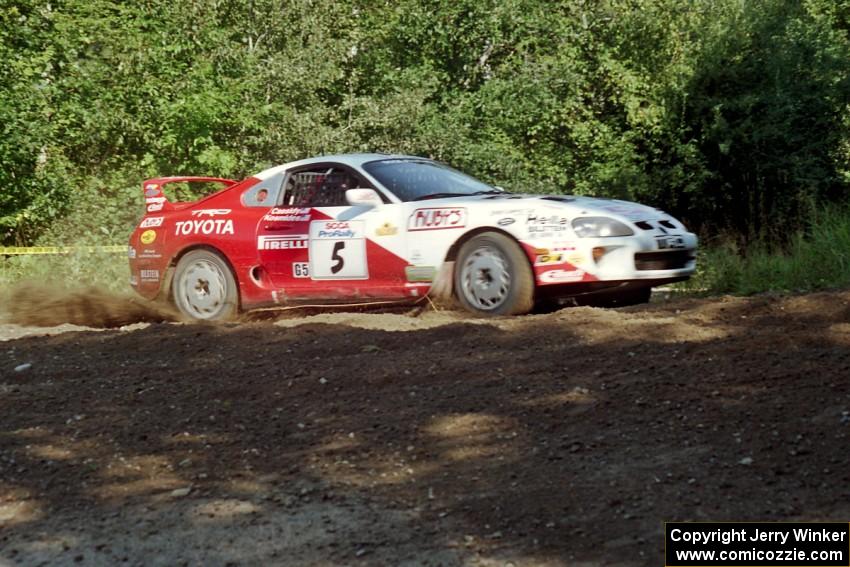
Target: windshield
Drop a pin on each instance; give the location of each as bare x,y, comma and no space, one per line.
413,180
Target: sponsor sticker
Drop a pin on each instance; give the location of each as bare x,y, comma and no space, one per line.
537,223
576,259
386,229
149,275
562,276
441,218
154,207
506,221
134,281
420,273
147,237
210,212
291,214
206,226
335,230
300,269
151,190
551,258
282,242
151,222
131,252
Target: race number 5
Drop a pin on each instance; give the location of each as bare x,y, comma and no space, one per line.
338,260
338,250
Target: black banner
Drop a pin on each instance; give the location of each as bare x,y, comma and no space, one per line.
757,544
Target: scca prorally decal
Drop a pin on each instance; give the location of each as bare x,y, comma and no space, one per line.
151,222
148,275
291,214
561,276
282,242
437,219
208,226
335,230
210,212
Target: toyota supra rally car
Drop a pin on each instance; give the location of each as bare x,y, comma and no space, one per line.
364,228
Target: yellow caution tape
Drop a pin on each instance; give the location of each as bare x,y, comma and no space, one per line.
29,250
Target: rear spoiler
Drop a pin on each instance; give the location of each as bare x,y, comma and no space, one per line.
155,199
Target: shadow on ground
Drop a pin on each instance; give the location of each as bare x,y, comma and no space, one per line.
558,439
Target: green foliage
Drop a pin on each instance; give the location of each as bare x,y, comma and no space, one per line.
811,261
732,115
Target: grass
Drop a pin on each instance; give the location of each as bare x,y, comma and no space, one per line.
105,271
809,262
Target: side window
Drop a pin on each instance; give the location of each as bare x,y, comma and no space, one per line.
263,194
321,187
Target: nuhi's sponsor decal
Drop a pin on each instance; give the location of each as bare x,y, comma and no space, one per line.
562,276
151,222
210,212
437,219
292,214
147,237
282,242
335,230
149,275
208,226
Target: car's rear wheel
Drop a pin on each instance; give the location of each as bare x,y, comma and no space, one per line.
204,287
493,276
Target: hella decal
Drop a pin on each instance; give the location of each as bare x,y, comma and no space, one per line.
282,242
561,276
437,219
208,226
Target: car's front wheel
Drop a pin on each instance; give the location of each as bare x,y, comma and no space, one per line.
204,287
493,276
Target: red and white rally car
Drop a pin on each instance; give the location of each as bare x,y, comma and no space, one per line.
367,227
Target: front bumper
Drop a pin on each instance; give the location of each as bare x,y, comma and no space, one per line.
649,258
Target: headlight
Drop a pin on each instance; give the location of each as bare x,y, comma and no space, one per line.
593,227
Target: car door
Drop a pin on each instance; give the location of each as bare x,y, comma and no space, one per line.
315,245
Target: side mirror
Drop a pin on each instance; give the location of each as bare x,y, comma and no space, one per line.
363,198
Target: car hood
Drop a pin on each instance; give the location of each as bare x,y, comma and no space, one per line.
565,204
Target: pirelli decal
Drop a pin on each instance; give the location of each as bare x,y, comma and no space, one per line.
282,242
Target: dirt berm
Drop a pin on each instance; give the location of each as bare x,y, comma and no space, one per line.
387,439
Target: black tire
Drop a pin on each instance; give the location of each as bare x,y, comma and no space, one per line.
492,276
204,287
